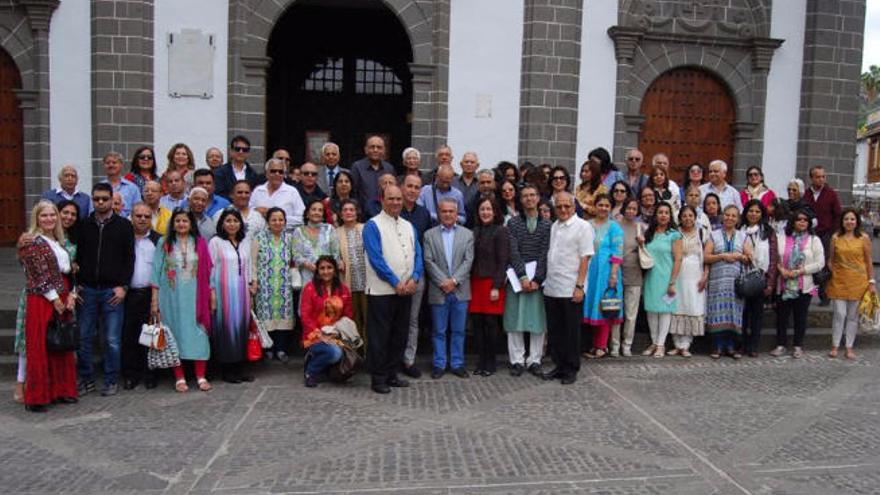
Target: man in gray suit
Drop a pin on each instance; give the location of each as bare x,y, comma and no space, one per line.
449,253
329,167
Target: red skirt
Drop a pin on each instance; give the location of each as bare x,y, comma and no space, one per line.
50,375
480,302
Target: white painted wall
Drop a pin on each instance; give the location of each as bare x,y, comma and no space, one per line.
200,123
485,61
70,97
784,95
598,81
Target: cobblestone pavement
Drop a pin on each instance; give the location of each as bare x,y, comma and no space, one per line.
641,425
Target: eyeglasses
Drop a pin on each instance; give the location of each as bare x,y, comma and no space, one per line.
275,171
141,216
623,191
145,157
241,149
310,174
754,174
558,177
563,207
101,199
633,159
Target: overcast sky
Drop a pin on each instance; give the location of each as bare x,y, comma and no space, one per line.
871,54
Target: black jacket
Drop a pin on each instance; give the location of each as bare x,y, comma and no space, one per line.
105,252
224,179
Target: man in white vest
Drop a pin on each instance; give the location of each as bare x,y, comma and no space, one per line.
394,267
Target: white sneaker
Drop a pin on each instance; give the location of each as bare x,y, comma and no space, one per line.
627,351
778,351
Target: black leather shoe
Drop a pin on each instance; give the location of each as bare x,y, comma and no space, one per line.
397,382
231,379
516,370
412,371
535,369
129,383
150,383
36,408
67,400
553,374
437,373
381,388
459,372
569,379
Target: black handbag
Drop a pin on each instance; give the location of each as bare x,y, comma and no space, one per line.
62,333
822,276
750,283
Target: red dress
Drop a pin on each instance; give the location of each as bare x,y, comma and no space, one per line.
50,375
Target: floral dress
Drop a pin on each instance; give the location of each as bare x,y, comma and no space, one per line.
271,257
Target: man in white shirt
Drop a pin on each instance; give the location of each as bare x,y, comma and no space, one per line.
276,193
137,300
571,246
718,184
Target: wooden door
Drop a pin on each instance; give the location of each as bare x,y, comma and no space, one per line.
689,115
11,153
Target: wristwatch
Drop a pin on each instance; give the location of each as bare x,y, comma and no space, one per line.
579,286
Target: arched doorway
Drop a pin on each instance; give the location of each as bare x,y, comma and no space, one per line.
689,115
11,152
340,71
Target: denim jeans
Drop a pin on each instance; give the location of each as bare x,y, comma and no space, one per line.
97,302
449,317
321,355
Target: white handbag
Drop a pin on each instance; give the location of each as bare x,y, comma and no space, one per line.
153,335
646,261
296,280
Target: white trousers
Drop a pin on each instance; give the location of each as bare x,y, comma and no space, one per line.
659,325
682,341
22,368
846,319
516,347
631,296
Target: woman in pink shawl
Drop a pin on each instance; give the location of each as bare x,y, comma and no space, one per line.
181,283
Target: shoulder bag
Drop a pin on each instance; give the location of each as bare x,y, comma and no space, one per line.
750,283
646,261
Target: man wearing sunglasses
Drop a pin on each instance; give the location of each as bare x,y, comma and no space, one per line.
634,176
237,168
105,255
308,185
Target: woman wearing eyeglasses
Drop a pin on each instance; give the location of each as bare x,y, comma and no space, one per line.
800,256
755,187
647,203
314,239
693,178
143,167
620,191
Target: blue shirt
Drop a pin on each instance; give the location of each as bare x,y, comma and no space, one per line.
130,194
448,236
373,247
427,196
80,198
217,204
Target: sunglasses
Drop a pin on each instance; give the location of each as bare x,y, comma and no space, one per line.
145,157
310,174
141,216
274,171
241,149
754,174
634,159
558,177
620,191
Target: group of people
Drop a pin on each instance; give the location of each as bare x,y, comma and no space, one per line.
208,251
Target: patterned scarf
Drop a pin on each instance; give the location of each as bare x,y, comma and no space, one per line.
794,258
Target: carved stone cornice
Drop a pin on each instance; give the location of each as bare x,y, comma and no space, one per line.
626,39
27,98
422,73
633,123
255,67
742,129
762,52
39,12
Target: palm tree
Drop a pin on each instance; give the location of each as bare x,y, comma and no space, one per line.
871,84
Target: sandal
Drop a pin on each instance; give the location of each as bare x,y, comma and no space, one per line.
833,353
850,354
686,353
204,385
18,394
180,386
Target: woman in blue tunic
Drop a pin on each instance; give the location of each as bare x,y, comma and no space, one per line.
181,282
231,280
603,276
663,241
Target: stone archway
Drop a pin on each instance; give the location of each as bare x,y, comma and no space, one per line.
250,28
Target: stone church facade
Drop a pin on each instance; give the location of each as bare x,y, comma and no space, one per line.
537,80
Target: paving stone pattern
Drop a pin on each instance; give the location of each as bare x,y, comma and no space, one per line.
640,426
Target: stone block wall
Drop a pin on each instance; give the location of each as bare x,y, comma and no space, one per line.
550,80
122,78
829,96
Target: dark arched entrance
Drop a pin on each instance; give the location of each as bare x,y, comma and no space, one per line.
11,152
340,70
689,115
